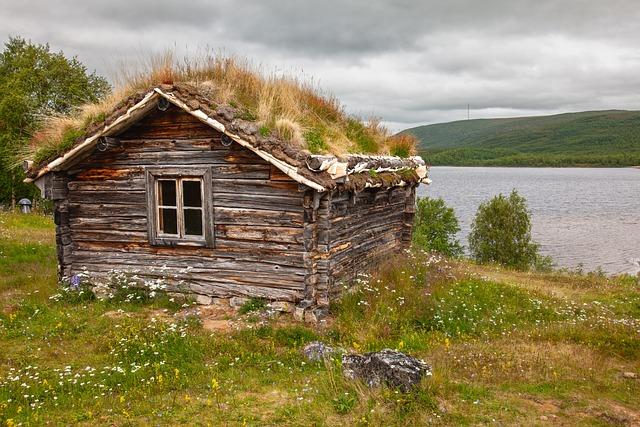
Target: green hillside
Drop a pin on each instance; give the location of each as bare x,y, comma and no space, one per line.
591,138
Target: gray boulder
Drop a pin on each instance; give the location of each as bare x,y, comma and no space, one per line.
389,367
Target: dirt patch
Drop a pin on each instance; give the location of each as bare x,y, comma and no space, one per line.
269,400
617,414
9,294
544,406
610,412
215,311
214,318
159,314
217,325
9,309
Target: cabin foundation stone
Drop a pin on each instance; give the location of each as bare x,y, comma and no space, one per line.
204,300
237,302
282,306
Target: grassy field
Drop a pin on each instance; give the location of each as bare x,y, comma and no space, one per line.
590,138
506,348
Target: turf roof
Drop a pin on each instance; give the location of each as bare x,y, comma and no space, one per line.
283,109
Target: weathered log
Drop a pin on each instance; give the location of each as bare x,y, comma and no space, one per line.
248,253
258,201
260,217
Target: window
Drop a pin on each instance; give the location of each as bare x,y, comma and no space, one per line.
180,208
177,207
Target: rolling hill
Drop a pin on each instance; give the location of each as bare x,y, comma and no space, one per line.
591,138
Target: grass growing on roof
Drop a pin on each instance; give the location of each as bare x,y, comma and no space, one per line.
295,110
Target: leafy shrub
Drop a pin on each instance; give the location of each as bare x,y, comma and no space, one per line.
501,233
435,227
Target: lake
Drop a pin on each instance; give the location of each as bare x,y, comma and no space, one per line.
581,216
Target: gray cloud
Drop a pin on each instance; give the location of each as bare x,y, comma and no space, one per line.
406,61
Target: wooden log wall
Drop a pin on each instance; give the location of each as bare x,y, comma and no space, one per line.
316,241
258,214
57,191
364,229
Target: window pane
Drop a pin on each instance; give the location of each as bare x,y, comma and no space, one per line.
167,196
168,221
191,193
193,222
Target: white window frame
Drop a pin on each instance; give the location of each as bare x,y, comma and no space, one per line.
179,175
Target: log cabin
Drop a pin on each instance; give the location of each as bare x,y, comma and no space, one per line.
172,185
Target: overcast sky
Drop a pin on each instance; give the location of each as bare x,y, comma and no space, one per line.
408,62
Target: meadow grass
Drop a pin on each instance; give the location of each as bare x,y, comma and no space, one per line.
506,347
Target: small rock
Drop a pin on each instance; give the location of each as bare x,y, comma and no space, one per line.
203,299
305,303
237,302
316,315
220,302
246,127
390,367
301,308
316,351
630,375
227,112
310,317
298,314
193,104
283,306
544,418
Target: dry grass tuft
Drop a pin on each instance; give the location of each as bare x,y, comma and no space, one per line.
289,130
402,145
287,106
